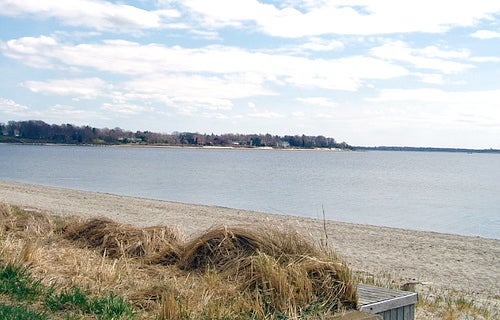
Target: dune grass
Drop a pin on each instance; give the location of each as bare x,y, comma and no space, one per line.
68,268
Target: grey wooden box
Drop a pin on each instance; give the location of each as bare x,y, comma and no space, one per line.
389,304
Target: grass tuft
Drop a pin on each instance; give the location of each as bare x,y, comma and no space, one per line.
79,302
117,240
281,271
68,299
111,307
16,280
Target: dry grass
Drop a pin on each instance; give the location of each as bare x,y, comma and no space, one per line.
281,270
5,210
116,240
225,273
6,218
220,248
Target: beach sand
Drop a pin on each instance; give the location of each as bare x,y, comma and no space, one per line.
443,262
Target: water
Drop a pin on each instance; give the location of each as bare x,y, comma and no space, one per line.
444,192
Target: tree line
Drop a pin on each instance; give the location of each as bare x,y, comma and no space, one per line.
37,131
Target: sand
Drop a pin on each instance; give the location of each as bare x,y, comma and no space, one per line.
453,263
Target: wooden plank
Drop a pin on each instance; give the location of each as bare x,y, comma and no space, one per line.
357,315
377,300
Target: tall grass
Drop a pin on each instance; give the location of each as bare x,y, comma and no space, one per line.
99,268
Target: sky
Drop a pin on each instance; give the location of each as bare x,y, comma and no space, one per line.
370,73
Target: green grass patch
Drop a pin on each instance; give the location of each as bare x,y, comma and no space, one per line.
77,301
16,281
20,312
73,299
19,289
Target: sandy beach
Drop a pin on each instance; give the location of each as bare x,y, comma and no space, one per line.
444,262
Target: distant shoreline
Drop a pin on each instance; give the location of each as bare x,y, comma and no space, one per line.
425,149
174,146
355,148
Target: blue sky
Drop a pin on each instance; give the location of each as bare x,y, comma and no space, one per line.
386,72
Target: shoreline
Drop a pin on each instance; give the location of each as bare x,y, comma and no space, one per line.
238,147
446,262
165,146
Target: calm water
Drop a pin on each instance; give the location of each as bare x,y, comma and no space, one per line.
445,192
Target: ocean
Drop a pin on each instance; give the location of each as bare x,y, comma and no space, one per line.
455,193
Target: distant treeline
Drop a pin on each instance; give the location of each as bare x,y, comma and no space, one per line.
36,131
426,149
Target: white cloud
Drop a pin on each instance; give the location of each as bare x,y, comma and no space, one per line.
362,17
299,114
319,44
467,98
162,98
265,115
250,69
11,107
226,87
57,112
62,111
101,15
436,52
431,78
204,34
486,34
319,101
291,19
309,47
431,58
126,109
34,52
439,107
217,116
486,59
86,88
192,105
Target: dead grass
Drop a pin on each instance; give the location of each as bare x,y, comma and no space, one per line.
6,217
116,240
219,248
225,273
5,210
280,269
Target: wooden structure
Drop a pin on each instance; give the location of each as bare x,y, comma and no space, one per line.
387,303
356,315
